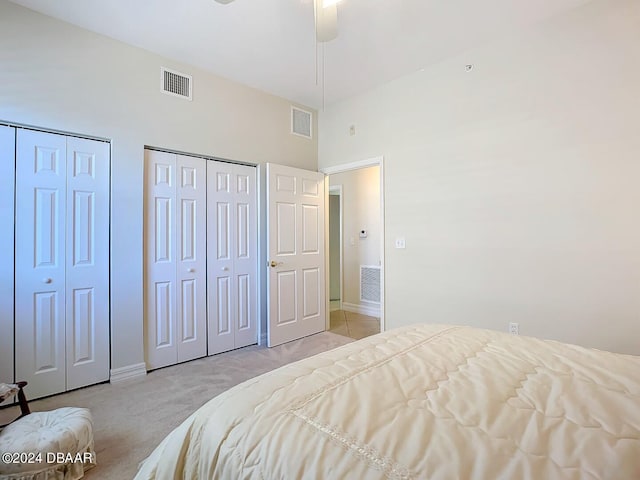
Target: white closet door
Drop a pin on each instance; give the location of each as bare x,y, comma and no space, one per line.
87,262
7,177
160,261
245,262
232,256
191,218
175,271
220,242
40,261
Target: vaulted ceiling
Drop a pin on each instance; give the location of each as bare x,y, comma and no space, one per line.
270,44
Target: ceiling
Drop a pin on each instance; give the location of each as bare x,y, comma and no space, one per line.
270,44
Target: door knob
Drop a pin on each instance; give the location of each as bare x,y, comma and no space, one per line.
274,263
225,269
46,280
191,270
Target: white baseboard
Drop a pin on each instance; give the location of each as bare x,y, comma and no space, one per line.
127,373
371,310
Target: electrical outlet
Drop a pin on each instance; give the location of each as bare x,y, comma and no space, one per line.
514,328
400,242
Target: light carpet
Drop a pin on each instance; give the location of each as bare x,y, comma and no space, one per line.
132,417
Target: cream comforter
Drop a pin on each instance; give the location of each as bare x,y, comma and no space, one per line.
425,401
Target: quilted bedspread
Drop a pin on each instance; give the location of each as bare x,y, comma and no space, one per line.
423,402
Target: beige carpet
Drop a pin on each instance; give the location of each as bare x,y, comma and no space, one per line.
131,418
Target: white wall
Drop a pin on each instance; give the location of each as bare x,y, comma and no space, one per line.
58,76
360,210
516,185
334,247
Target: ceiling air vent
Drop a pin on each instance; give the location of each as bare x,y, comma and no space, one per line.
175,83
300,122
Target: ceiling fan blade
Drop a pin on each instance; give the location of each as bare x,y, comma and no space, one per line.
326,21
326,18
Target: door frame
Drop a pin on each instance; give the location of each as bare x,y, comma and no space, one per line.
7,252
345,167
332,190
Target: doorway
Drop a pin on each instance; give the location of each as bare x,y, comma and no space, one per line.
335,247
356,247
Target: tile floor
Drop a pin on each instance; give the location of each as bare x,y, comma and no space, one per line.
353,325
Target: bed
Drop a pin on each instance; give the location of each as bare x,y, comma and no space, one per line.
426,401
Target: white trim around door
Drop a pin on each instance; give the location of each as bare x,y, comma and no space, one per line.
336,190
369,162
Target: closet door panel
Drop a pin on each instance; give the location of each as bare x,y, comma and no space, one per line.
232,258
245,261
40,261
220,245
7,178
87,262
191,220
160,259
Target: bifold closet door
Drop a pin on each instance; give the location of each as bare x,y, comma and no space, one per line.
175,271
61,262
87,262
232,256
41,178
7,178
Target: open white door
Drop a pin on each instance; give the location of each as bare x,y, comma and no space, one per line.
296,253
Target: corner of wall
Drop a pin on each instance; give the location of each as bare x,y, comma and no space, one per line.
128,373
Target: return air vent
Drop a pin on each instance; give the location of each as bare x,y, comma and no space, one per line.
370,283
175,83
300,122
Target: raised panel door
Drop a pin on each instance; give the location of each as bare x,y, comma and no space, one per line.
221,240
245,256
295,246
41,175
160,259
191,237
87,262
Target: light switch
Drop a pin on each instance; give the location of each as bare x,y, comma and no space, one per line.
400,243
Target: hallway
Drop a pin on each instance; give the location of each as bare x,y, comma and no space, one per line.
353,325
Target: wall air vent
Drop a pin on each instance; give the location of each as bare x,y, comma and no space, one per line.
370,283
175,83
300,122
